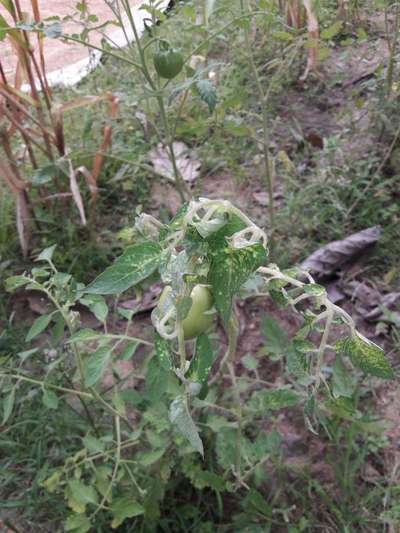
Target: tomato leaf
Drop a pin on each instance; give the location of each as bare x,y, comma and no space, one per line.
163,352
275,337
200,365
181,418
8,405
156,378
207,93
15,282
125,507
229,269
271,400
95,365
39,325
46,254
366,355
81,492
133,266
50,399
77,523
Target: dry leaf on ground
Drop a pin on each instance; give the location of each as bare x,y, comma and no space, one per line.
333,256
187,163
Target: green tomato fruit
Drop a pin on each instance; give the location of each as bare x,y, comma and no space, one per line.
198,320
168,63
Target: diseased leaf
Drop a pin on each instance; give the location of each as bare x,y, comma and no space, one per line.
202,360
150,457
183,307
333,256
271,400
137,263
366,355
95,365
229,269
163,351
314,289
179,416
119,404
39,325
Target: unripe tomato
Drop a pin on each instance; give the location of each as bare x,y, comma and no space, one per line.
197,320
168,63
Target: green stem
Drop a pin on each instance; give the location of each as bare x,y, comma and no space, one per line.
115,470
47,385
268,177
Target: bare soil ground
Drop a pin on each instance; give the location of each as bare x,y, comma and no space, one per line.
60,54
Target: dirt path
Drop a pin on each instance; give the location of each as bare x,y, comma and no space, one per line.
68,63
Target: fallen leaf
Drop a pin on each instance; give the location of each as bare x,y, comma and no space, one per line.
188,165
333,256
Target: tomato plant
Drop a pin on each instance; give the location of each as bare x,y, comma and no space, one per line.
203,257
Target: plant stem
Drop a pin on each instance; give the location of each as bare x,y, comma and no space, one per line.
47,385
179,182
268,177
